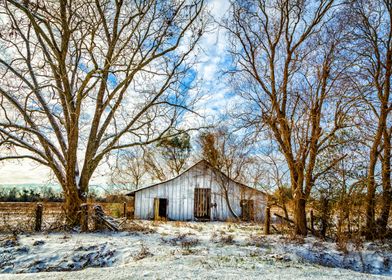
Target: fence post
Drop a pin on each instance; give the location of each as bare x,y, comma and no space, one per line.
84,217
38,217
125,209
312,221
267,220
98,217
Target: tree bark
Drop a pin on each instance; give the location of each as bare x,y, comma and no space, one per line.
72,206
382,221
371,187
299,199
300,216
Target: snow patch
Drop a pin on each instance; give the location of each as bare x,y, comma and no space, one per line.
187,250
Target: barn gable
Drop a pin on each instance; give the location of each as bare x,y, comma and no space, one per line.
199,193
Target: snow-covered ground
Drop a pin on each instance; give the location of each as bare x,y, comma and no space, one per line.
185,250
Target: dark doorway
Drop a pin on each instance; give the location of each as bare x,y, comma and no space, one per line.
160,208
247,210
202,206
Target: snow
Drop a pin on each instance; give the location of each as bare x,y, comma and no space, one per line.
185,250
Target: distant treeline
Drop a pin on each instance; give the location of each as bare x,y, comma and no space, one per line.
48,194
29,195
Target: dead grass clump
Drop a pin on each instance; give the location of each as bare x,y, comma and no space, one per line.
294,238
183,240
187,243
18,225
195,226
342,243
214,237
143,253
180,224
257,241
58,222
227,239
9,241
38,243
175,240
132,226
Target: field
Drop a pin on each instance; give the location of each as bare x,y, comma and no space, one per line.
19,216
172,250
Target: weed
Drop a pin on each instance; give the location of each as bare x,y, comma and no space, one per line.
143,253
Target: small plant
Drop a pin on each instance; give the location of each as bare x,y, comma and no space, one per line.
341,243
177,224
294,238
9,241
257,241
133,226
189,242
227,239
214,237
143,253
116,210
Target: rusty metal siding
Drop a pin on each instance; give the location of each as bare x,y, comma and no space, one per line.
180,195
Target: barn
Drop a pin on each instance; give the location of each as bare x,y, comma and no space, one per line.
201,193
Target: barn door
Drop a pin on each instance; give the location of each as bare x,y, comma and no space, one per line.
202,209
160,209
247,210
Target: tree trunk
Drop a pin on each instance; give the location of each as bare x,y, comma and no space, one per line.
371,192
382,131
227,198
300,215
299,203
324,216
312,221
382,221
73,201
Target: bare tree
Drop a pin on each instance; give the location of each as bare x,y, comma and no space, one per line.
230,157
287,73
81,79
371,42
129,171
275,177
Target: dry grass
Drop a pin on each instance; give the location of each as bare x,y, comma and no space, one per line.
19,216
257,241
227,239
134,226
143,253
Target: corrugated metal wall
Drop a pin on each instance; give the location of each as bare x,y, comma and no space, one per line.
180,195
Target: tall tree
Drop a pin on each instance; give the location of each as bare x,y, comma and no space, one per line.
231,158
371,42
74,80
286,71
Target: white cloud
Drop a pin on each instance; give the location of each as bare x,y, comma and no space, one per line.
23,172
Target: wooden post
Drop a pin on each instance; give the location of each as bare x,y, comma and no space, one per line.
101,221
312,221
156,209
38,217
98,218
84,217
125,209
267,220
